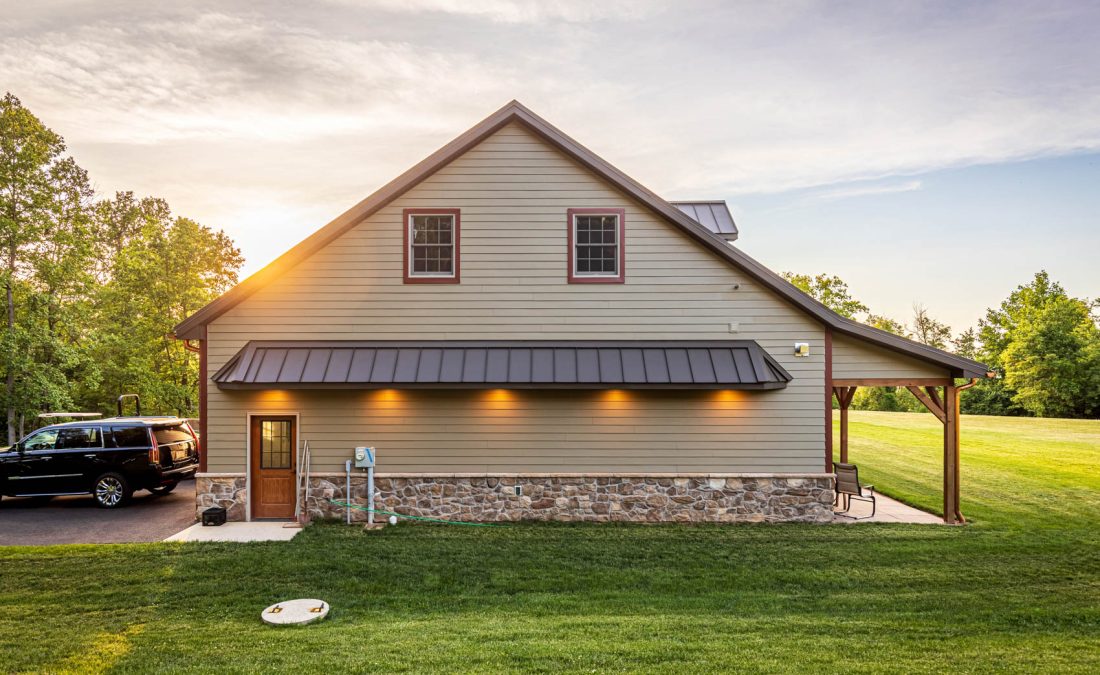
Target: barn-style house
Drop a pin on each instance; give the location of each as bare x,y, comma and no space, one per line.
522,331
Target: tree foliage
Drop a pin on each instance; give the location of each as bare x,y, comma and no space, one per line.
927,330
43,241
887,324
1044,345
830,291
93,289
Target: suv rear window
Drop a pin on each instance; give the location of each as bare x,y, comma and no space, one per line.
130,437
172,435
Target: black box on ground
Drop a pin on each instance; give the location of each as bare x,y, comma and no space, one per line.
215,515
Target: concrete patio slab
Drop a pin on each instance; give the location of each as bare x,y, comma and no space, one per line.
889,511
238,532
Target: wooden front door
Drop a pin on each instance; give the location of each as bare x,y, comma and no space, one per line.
274,451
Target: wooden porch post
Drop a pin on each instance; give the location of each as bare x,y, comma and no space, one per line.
955,395
946,410
844,398
950,455
843,432
829,391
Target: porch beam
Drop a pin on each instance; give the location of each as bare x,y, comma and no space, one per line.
892,382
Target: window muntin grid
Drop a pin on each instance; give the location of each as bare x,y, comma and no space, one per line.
431,245
275,444
596,245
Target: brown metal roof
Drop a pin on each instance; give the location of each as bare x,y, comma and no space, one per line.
713,215
534,364
192,327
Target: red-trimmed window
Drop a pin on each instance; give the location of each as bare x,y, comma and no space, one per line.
432,246
597,252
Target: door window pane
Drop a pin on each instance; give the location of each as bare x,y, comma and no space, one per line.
275,444
43,440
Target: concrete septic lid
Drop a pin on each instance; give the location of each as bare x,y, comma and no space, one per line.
295,612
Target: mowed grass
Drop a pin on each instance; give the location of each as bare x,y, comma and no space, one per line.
1018,590
1016,472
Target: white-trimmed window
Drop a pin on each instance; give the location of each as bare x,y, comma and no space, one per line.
596,253
431,245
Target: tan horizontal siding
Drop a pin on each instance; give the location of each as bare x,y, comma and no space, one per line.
855,359
513,191
552,431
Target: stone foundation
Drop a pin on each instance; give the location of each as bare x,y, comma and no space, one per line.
228,490
716,498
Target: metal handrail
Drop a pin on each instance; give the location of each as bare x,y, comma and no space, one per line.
302,485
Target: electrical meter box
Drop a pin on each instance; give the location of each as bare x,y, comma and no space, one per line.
364,458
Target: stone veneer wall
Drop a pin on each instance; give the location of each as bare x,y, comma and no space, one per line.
720,498
228,490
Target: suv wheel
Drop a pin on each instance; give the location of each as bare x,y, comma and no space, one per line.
163,489
111,491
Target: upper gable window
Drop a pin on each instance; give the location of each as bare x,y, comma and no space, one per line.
431,246
596,245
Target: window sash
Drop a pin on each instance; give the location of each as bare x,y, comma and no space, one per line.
596,251
432,244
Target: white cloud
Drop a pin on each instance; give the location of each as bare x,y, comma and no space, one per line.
314,106
866,190
233,77
518,11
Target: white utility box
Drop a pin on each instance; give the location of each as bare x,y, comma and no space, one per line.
364,458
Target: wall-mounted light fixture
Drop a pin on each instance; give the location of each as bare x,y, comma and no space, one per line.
802,349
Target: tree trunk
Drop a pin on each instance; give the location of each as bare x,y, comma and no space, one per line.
9,385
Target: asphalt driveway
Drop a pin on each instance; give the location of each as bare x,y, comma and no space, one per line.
77,520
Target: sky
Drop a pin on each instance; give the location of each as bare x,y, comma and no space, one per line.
926,152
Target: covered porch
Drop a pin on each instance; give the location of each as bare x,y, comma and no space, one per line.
941,397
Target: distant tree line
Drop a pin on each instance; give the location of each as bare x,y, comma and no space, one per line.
1043,344
93,286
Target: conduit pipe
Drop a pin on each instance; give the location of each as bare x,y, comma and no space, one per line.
347,492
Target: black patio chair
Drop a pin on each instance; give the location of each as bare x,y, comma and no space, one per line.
848,487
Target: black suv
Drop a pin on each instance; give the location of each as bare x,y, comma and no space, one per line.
108,458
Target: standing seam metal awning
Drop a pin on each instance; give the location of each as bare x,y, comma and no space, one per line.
535,364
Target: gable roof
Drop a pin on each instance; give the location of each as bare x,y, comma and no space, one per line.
713,215
190,328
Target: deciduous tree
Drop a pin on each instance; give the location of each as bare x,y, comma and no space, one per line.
927,330
830,291
41,204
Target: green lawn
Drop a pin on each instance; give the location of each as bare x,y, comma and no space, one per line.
1018,590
